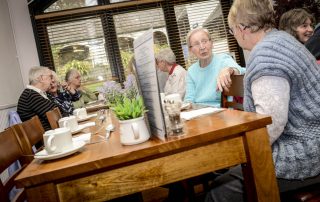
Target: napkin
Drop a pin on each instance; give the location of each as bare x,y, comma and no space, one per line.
88,124
199,112
83,137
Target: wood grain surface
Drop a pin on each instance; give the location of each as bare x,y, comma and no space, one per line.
107,169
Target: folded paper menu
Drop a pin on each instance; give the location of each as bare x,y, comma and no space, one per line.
199,112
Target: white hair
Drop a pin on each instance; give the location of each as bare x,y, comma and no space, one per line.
36,72
198,29
166,55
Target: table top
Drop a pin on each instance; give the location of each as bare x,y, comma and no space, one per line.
110,154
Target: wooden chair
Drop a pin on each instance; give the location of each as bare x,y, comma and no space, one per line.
53,117
30,133
10,151
236,90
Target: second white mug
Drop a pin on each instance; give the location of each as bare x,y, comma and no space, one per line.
69,122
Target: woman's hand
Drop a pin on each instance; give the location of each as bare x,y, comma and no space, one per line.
224,80
66,87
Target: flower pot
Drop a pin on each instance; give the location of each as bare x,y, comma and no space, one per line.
133,131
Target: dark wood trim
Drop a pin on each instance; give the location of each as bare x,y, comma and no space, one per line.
173,31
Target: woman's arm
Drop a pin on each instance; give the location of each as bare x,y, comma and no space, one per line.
271,96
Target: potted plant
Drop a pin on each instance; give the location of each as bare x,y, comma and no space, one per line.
128,107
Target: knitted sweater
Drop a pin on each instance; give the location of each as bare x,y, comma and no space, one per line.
31,103
202,82
296,153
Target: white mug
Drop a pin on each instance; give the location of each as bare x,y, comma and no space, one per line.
80,113
69,122
133,131
57,140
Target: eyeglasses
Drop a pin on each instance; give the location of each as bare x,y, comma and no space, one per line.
203,42
241,26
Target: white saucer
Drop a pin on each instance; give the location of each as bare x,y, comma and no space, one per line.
80,119
82,126
43,155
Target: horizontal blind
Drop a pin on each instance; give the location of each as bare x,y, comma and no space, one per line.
206,14
76,43
130,25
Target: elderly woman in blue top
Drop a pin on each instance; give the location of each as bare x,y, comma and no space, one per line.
62,95
282,80
211,73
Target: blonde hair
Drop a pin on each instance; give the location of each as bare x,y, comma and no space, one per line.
256,14
292,19
198,29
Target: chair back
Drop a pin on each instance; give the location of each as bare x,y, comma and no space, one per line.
30,133
236,91
10,152
53,117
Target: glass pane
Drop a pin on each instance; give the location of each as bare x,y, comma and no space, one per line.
206,14
131,25
69,4
117,1
81,45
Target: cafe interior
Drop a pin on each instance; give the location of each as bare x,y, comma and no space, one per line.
112,159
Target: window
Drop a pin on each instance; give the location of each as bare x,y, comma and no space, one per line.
131,25
80,45
99,39
70,4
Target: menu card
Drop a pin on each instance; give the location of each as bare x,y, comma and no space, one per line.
147,81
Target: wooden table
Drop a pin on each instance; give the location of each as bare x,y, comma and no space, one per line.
108,170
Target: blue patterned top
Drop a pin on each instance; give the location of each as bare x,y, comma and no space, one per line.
64,101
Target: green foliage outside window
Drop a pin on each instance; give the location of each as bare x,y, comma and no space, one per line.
83,67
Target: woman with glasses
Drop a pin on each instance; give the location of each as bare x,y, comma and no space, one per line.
282,80
63,95
33,100
211,73
299,23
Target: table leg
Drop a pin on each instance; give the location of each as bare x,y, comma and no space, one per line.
259,175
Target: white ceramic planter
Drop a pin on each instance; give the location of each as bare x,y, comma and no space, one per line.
133,131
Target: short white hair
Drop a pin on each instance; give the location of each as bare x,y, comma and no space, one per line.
198,29
166,55
71,74
36,72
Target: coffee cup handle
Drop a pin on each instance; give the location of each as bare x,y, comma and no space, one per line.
65,124
135,130
49,144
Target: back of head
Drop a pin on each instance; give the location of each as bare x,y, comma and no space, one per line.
35,73
71,74
292,19
257,14
166,55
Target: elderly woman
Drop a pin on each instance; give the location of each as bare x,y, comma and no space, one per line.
166,62
299,23
210,73
73,79
33,100
63,95
282,80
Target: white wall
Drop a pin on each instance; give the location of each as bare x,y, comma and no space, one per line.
17,54
23,35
